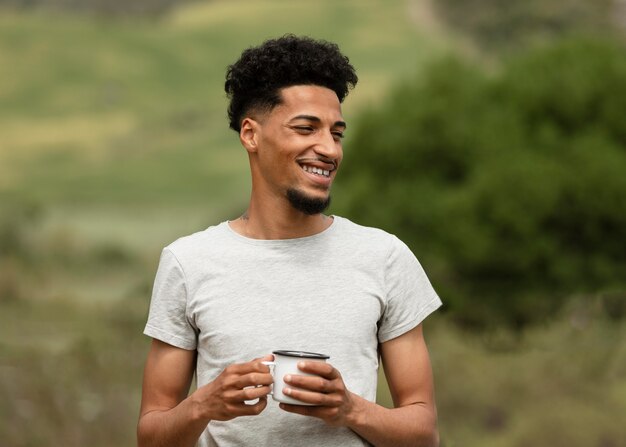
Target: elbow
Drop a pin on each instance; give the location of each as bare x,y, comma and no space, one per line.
435,438
142,434
428,432
428,438
433,433
431,438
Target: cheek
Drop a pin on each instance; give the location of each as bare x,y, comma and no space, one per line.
339,155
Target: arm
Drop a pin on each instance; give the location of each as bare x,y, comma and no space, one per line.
168,417
413,421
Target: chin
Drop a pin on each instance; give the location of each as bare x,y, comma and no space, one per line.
309,205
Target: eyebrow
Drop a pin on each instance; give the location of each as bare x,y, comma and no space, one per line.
315,119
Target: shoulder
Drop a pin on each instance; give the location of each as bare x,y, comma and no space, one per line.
364,232
374,239
198,244
368,238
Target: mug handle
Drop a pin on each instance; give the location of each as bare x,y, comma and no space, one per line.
271,365
271,393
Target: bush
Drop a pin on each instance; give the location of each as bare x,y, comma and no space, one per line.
107,8
501,24
17,223
509,188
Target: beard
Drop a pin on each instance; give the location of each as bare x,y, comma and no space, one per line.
305,204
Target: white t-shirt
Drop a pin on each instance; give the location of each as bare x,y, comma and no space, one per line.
340,292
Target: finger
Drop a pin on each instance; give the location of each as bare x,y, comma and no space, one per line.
323,369
250,410
265,358
297,409
255,365
311,383
252,379
318,412
313,398
249,393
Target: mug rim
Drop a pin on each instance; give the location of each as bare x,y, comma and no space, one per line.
301,354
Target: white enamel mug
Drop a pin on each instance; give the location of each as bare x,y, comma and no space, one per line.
286,362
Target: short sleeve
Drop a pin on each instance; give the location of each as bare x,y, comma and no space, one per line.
410,297
167,320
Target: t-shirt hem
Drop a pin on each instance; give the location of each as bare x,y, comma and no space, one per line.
171,339
429,308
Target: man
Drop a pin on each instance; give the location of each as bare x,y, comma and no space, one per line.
286,276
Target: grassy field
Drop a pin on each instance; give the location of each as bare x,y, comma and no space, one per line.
114,141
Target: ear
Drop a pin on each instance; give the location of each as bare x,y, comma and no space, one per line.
249,134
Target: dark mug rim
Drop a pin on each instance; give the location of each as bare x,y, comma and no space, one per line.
301,354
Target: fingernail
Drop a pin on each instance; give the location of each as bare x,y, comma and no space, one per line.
301,365
287,391
288,378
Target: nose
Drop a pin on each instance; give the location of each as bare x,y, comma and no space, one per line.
328,147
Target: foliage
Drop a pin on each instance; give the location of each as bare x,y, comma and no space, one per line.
108,8
17,221
509,188
502,24
70,376
539,391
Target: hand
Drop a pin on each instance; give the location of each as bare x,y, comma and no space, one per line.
334,404
223,399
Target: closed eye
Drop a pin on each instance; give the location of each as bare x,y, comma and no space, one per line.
304,129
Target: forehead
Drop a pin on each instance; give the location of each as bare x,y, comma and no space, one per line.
308,100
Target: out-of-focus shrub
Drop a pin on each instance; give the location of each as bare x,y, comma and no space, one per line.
17,246
510,188
501,24
10,286
17,223
110,8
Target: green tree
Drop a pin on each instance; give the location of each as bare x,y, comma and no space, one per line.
510,188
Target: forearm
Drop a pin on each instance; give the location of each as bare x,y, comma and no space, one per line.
180,426
412,425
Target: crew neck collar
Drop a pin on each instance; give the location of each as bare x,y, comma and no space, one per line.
314,237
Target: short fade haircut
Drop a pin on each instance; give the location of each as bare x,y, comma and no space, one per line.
253,83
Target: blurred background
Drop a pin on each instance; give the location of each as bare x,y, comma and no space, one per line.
489,135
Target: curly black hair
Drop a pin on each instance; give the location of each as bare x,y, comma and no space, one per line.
255,80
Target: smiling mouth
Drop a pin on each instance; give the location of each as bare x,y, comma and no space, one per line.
322,167
316,171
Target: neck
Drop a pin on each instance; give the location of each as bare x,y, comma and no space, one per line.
279,220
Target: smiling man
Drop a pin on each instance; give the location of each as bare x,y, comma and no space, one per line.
285,276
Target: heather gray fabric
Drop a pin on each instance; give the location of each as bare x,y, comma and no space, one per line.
339,292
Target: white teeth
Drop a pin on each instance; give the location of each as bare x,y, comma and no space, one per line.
314,170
